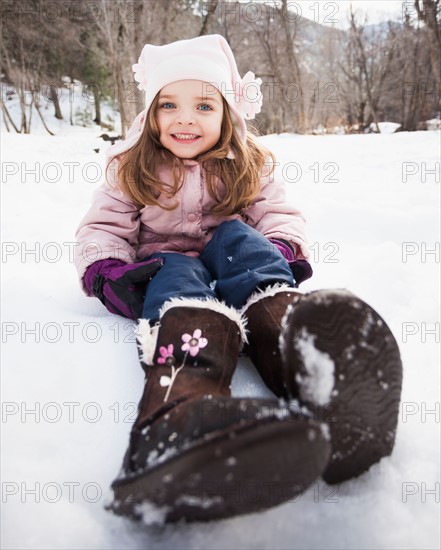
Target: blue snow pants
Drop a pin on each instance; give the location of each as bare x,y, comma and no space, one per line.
236,261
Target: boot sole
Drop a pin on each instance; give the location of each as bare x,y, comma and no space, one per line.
362,401
244,470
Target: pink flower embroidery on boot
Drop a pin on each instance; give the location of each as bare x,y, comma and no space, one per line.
193,343
167,357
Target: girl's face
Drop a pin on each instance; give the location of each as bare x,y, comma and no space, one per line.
189,117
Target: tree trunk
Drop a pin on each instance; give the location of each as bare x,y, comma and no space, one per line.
364,68
125,123
29,119
8,117
428,11
211,9
96,97
21,93
360,114
56,102
37,106
71,102
293,65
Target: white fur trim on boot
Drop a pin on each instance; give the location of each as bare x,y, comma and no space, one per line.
271,290
147,337
209,303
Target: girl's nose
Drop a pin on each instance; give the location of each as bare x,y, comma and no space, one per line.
185,117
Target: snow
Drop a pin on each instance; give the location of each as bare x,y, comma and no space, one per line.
71,378
150,514
205,502
385,127
317,383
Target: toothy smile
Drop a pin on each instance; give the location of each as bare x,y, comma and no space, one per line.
185,137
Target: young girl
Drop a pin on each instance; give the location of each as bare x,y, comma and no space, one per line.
191,235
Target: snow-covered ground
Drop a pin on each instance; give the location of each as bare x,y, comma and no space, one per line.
70,376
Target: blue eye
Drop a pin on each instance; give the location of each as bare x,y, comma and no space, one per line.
168,106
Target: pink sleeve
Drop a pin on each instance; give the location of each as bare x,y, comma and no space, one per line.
109,229
276,218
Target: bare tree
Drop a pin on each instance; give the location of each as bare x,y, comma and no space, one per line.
38,48
429,12
290,33
21,64
406,73
210,10
275,44
368,56
339,102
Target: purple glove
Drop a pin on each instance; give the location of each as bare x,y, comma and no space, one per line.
121,287
285,248
301,269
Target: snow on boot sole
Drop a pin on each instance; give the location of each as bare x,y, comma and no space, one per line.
251,466
342,361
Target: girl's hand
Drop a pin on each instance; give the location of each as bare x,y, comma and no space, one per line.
121,287
285,248
301,269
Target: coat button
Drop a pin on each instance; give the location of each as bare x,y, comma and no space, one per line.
192,217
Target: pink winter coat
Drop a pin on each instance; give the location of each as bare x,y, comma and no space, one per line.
115,228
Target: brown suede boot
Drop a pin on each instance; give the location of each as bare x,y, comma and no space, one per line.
335,355
197,453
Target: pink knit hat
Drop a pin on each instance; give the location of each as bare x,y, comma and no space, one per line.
208,58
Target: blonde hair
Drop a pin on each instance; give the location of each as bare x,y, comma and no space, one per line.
138,178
